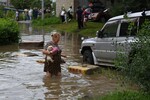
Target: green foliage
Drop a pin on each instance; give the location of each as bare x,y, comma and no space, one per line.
136,66
47,21
123,6
22,16
117,9
21,4
125,95
10,14
38,4
1,11
26,4
47,15
9,31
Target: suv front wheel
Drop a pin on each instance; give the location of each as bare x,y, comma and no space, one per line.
87,57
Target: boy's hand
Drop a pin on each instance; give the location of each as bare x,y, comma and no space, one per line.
64,56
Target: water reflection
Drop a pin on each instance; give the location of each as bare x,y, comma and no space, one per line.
54,88
27,29
9,48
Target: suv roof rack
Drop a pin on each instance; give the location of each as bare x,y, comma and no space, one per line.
132,15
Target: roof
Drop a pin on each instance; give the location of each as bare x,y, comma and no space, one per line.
130,15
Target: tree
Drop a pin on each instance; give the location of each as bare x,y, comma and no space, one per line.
21,4
123,6
26,4
37,3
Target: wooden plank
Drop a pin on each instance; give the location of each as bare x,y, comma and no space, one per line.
88,69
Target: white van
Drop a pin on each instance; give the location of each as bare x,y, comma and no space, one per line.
115,35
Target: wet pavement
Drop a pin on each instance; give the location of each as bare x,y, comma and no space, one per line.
22,78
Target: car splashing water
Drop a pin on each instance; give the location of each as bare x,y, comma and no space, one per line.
22,78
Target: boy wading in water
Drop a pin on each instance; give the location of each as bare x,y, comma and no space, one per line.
53,67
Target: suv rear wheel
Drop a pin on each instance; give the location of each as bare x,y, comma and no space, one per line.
87,57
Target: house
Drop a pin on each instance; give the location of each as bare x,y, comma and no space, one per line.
5,2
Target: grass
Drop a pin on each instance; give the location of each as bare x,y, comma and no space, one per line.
124,95
71,27
120,95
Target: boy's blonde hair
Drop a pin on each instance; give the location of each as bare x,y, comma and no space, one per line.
55,33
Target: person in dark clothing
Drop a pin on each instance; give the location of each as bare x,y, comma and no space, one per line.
35,13
79,17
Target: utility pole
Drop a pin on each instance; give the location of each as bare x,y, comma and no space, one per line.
42,9
42,20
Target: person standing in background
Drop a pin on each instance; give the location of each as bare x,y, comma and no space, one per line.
30,14
70,13
35,13
62,15
17,15
79,17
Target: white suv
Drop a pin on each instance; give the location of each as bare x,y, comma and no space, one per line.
116,34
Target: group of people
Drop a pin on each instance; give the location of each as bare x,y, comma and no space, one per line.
81,15
66,16
30,14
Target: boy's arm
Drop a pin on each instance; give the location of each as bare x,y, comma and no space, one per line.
45,52
54,50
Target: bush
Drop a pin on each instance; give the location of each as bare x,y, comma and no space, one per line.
10,14
9,31
117,9
47,15
21,16
139,66
1,11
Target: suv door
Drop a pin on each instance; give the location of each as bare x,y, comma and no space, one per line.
105,47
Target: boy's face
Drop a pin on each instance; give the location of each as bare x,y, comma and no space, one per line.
56,38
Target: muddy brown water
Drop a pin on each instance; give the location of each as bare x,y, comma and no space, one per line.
22,78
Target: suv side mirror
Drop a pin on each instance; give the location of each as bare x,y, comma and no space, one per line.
99,34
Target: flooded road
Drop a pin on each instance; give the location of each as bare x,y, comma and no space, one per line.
22,78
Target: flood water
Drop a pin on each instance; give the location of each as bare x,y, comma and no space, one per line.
22,78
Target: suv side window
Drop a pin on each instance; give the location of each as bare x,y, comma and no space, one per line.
125,25
110,29
124,29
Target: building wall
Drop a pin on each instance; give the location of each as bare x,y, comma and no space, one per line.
5,2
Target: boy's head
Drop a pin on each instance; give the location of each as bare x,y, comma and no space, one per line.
55,37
